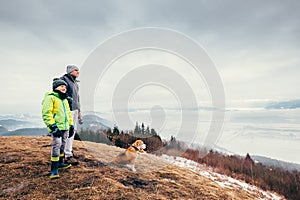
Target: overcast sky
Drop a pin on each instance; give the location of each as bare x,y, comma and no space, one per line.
255,45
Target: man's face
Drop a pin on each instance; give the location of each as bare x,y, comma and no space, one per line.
62,88
75,73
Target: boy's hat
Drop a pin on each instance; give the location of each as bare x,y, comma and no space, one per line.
58,82
71,68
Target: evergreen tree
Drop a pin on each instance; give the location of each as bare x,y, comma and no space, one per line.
137,129
143,128
153,132
116,130
147,130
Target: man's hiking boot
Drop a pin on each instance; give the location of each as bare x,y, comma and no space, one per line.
71,160
75,156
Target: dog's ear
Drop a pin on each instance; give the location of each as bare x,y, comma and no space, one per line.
134,144
138,143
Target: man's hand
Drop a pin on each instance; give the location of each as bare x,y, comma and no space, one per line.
71,131
80,118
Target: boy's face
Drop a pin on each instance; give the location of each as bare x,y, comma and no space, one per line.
62,88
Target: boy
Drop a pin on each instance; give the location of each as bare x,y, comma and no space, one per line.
58,118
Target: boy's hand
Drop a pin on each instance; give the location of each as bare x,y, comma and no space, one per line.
55,131
71,131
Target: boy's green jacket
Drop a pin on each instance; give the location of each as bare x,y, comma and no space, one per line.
56,111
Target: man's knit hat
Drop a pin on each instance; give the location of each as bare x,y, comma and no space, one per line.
71,68
58,82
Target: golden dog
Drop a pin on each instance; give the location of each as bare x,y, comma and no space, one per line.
129,156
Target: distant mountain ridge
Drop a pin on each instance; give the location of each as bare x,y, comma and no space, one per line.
262,159
291,104
3,129
26,132
276,163
13,124
94,122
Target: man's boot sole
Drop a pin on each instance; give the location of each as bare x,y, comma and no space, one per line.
66,167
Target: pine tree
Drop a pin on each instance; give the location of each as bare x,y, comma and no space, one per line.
116,130
148,130
153,132
143,128
137,129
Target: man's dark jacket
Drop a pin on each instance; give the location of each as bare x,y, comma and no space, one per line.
72,91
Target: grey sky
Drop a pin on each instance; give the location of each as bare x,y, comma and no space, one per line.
254,44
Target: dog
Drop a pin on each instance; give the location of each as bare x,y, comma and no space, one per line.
128,157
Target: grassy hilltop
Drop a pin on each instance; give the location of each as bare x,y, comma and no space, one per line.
25,163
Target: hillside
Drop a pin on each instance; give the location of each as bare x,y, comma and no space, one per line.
24,168
13,124
3,129
26,132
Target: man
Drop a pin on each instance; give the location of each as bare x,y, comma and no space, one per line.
74,103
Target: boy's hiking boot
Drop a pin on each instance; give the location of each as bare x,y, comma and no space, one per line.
62,165
54,170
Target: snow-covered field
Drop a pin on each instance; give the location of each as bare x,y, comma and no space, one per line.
222,180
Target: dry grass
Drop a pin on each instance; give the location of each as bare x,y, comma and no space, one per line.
25,163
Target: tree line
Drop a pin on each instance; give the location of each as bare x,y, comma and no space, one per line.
122,138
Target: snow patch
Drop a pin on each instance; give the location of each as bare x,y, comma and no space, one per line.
222,180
